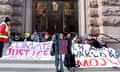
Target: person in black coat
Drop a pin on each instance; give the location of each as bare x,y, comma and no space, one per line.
17,38
93,41
96,42
101,40
69,60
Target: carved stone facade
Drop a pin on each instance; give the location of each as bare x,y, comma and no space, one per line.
18,12
102,16
109,17
5,10
93,16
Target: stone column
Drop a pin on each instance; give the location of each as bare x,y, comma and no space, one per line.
81,17
28,24
5,10
109,20
92,14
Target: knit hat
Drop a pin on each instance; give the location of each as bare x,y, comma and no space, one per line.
35,30
7,19
46,33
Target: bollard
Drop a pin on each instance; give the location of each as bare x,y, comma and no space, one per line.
58,55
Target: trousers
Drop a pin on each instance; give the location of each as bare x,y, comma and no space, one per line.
1,48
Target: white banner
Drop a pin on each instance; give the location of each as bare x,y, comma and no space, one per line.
29,50
87,56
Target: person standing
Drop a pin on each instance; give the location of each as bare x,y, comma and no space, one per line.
4,31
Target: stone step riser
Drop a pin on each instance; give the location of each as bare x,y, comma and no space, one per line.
95,70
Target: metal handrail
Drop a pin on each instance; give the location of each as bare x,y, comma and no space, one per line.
110,37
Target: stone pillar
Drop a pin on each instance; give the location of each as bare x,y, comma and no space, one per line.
109,20
81,17
28,24
92,14
5,10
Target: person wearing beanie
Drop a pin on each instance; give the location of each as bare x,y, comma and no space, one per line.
35,36
47,37
4,32
7,19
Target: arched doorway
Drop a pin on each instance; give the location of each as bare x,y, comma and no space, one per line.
55,15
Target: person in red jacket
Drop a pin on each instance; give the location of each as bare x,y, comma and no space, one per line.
4,33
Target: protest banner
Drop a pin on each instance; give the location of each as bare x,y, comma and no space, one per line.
29,50
33,50
88,56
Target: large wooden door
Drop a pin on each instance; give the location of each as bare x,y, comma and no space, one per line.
55,15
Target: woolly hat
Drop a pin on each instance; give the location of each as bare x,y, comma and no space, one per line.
7,19
46,33
35,30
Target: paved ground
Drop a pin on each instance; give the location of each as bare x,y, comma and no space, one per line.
27,66
96,70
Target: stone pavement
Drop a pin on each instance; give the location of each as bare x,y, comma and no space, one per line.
96,69
27,65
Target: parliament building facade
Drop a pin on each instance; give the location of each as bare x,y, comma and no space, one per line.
82,16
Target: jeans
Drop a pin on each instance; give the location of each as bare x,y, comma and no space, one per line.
1,48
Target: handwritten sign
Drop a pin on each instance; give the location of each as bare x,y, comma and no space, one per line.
33,50
97,62
29,50
87,56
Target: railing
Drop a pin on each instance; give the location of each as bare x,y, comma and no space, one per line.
58,55
110,37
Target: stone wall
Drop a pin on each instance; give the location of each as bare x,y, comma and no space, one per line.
18,14
109,17
93,25
102,15
5,10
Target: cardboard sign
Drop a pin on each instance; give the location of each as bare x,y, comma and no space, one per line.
87,56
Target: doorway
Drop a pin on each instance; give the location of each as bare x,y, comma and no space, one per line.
55,16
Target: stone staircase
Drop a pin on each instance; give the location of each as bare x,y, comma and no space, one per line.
43,66
27,66
112,69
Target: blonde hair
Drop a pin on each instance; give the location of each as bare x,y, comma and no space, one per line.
27,34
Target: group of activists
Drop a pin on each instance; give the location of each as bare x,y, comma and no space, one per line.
35,36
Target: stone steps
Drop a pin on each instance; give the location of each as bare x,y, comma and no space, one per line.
27,61
27,66
112,69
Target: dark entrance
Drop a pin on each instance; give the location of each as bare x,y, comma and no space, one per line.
55,15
